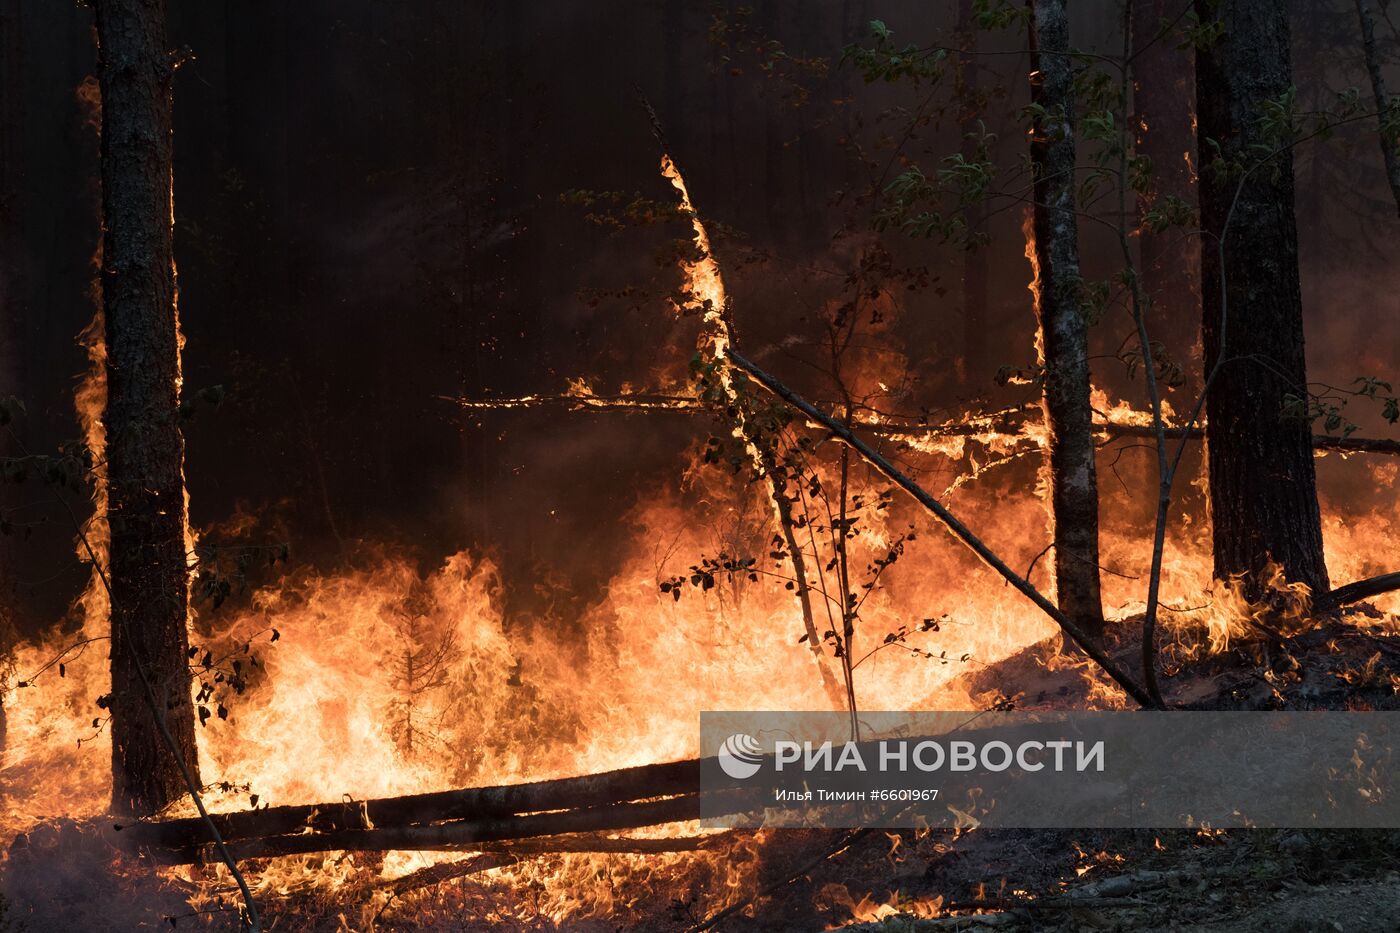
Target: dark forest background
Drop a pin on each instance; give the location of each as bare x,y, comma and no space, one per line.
369,219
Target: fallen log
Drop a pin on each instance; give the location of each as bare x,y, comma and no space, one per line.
1355,592
628,798
626,784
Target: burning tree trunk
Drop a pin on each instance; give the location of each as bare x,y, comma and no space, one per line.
145,451
1263,491
1385,107
1063,338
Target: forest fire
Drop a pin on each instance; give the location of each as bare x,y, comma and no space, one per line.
322,669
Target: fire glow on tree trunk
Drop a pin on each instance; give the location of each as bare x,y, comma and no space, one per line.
1063,339
145,450
1263,487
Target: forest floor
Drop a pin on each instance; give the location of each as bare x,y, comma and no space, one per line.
1216,880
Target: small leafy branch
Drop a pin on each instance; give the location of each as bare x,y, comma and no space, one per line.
1282,125
737,42
216,571
618,210
937,208
1328,404
221,571
225,675
885,62
821,515
899,638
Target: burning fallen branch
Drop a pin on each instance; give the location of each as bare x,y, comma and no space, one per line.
1010,424
705,292
348,821
560,815
464,835
576,401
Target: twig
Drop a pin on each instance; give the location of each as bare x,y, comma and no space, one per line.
440,874
1364,445
624,402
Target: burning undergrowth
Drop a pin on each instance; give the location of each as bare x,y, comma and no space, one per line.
386,678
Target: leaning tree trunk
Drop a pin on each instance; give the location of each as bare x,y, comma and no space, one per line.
1064,333
1263,488
145,452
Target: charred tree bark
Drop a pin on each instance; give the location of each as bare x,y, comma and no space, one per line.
1390,144
1263,487
145,451
1064,332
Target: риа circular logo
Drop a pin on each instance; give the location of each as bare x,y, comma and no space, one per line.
740,756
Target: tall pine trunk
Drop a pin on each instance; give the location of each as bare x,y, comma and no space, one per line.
145,451
1064,332
1263,488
